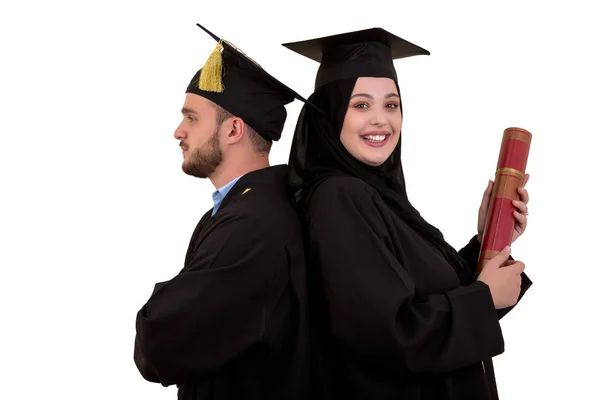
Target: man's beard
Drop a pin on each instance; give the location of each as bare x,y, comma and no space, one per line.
203,161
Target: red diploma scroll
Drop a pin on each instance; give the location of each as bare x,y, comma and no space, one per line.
510,172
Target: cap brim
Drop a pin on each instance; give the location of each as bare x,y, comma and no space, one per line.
314,48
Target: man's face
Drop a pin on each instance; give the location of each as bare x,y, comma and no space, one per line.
198,134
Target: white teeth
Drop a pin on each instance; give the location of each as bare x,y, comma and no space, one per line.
375,138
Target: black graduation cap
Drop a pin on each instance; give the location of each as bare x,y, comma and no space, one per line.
366,53
241,86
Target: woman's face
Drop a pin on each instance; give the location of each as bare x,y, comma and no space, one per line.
373,121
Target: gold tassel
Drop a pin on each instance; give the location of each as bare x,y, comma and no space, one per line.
211,76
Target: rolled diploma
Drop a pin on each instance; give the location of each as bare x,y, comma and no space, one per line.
510,172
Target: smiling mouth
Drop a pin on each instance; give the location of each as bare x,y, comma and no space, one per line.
376,138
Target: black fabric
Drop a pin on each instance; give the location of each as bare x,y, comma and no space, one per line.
393,319
250,92
318,154
233,324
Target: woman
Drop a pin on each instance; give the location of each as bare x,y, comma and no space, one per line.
400,314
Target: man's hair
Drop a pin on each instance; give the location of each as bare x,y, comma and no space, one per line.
259,144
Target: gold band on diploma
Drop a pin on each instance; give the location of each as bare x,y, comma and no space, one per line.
484,257
506,186
510,171
517,134
487,254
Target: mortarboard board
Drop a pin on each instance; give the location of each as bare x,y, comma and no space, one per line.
241,86
366,53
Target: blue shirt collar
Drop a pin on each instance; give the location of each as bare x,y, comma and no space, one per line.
219,194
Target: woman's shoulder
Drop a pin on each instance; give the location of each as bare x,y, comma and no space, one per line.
343,185
341,195
341,199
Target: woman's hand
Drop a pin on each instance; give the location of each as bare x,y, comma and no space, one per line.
520,213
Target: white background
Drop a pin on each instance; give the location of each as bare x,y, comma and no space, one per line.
95,208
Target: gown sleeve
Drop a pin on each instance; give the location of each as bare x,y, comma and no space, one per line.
211,311
471,255
371,302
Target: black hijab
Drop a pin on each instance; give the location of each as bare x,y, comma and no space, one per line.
318,154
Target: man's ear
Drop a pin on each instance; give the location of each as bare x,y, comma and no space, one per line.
235,130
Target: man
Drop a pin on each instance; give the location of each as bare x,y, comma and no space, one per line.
233,324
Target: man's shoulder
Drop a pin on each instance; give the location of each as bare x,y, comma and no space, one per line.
264,190
267,206
264,205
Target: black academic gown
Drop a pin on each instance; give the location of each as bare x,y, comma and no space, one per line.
397,321
233,323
